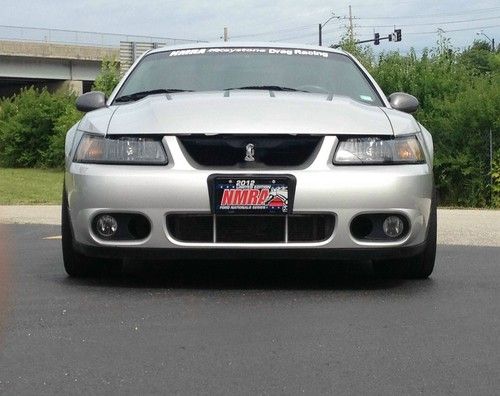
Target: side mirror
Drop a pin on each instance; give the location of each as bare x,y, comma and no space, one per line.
91,101
403,102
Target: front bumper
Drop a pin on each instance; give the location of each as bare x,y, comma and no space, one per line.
243,253
344,191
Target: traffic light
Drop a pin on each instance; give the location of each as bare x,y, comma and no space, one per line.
398,34
376,41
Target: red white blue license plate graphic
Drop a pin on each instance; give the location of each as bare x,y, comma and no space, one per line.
235,195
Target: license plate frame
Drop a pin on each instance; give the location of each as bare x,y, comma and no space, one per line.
249,196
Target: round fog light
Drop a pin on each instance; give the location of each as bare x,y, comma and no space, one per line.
393,226
106,226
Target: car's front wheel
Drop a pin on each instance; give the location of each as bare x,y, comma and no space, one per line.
75,263
416,267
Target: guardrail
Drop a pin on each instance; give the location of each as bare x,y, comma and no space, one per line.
79,37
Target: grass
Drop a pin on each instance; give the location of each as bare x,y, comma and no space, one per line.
30,186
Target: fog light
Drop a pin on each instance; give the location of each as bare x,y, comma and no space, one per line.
393,226
106,226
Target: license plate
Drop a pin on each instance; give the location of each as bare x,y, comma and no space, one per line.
253,195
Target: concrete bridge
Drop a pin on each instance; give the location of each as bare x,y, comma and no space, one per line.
50,64
54,58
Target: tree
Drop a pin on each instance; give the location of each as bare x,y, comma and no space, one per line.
108,78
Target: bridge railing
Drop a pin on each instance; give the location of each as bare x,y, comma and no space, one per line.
79,37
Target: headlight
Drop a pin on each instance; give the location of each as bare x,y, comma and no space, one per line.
120,150
377,150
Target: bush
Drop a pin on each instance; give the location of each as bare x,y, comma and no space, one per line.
27,123
495,178
108,78
34,123
459,94
54,156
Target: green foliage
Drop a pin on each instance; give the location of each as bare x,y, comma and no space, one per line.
28,124
54,156
459,93
34,123
479,59
362,53
495,178
108,78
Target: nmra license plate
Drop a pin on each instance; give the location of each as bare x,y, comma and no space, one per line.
253,195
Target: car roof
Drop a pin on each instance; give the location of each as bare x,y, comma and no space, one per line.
245,44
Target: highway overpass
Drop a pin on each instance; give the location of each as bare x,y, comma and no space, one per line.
55,58
48,64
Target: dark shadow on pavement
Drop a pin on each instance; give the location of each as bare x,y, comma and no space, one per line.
245,275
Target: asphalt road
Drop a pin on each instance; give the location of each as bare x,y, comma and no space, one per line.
248,328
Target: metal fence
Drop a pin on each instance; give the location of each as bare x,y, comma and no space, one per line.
78,37
131,50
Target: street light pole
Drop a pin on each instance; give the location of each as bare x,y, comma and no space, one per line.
491,40
321,26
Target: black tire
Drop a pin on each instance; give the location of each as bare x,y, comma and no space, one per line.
416,267
76,264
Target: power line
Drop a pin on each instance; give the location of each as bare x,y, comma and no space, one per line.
307,27
359,5
432,15
295,29
308,35
456,30
430,23
448,31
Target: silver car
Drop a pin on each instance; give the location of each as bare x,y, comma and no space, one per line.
255,150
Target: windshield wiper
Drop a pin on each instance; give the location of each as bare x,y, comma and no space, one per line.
139,95
267,88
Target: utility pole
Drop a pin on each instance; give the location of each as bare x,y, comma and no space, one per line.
351,29
226,34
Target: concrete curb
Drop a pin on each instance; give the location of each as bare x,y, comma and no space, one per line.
30,214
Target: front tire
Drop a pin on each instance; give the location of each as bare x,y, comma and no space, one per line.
76,264
416,267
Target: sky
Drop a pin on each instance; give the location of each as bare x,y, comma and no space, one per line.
258,20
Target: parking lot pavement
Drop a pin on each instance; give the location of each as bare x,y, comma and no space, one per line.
455,226
239,327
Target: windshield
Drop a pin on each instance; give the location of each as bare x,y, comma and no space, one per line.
215,69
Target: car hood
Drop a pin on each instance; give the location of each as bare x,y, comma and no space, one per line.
248,112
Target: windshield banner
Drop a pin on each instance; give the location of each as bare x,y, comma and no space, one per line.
249,50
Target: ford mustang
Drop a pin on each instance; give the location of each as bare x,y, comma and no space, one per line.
255,150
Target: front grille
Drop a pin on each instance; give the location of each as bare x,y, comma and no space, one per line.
251,228
283,151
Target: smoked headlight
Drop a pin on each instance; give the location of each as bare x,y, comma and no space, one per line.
378,150
134,150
